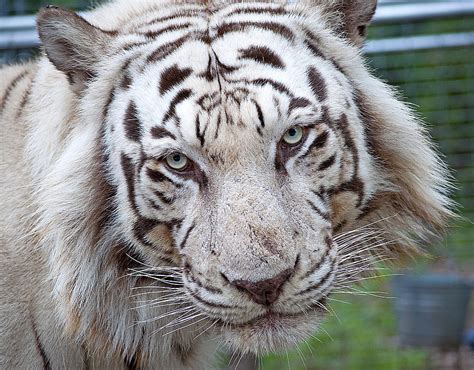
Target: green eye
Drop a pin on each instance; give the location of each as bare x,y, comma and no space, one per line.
177,161
293,136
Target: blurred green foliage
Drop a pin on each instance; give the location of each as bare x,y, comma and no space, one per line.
362,336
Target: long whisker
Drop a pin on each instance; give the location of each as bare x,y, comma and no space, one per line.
171,313
188,325
208,328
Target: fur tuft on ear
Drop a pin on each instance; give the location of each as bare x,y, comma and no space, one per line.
71,43
352,17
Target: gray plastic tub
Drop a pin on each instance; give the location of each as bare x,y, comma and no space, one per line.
431,310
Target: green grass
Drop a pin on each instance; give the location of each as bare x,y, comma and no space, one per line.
363,336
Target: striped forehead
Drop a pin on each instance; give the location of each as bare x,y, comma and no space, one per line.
198,74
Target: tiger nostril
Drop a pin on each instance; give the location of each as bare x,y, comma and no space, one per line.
264,292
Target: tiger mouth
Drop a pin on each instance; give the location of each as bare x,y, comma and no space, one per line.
269,319
273,319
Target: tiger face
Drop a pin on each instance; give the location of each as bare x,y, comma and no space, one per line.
242,151
241,173
238,149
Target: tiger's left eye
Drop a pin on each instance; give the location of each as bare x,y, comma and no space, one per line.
293,136
177,161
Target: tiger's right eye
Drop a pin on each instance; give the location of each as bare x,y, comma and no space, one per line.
177,161
293,135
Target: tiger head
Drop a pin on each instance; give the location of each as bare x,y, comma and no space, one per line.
246,147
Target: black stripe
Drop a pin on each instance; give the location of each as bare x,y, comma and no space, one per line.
343,125
171,28
141,230
39,347
129,46
160,133
142,227
318,264
24,100
320,282
10,88
131,364
354,186
320,194
153,204
371,206
200,135
258,10
178,14
179,97
132,123
173,76
209,304
158,177
314,50
327,163
265,81
161,196
208,288
128,170
318,143
310,41
155,176
208,102
174,223
126,80
260,114
210,72
164,50
218,125
124,257
262,54
274,27
324,215
107,105
183,243
296,103
317,84
223,68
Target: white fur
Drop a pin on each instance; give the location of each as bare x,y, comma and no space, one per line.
65,267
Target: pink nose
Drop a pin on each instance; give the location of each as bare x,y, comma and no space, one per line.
264,292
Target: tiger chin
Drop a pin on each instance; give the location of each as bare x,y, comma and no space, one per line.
180,172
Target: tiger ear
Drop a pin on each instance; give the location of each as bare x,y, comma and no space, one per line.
71,43
352,17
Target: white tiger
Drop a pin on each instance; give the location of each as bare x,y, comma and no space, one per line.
175,172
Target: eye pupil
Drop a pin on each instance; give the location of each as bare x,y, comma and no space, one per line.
293,135
177,161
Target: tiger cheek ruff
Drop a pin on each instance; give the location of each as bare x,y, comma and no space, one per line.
185,172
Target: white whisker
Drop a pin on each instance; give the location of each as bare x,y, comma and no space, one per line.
188,325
